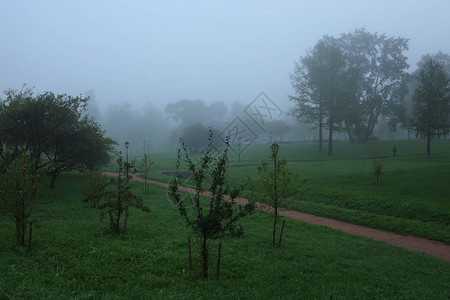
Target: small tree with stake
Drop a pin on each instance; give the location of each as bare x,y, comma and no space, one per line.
144,167
217,217
275,183
377,171
121,198
97,188
18,188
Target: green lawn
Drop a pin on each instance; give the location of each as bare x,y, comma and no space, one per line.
74,257
413,198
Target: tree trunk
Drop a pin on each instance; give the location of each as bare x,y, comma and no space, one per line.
20,232
52,184
275,200
330,141
275,224
428,145
125,223
204,253
320,136
349,132
20,224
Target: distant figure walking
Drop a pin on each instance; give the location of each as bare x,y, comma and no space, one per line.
394,151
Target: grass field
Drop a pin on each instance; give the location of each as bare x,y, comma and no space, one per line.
74,257
413,198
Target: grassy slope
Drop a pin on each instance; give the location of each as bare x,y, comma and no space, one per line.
74,257
412,200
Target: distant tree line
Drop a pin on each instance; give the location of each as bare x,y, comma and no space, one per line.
349,83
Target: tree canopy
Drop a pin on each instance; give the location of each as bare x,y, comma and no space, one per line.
52,128
350,81
444,60
187,112
382,72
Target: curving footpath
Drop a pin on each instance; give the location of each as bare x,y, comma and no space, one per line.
413,243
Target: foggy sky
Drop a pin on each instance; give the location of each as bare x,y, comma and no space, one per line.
149,51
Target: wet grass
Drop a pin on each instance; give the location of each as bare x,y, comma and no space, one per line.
412,199
74,257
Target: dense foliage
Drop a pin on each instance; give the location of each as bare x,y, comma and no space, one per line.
52,128
348,83
432,103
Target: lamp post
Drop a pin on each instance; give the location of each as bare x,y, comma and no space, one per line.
126,147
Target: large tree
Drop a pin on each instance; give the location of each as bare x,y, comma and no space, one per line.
441,58
432,102
325,85
195,137
81,146
382,72
54,127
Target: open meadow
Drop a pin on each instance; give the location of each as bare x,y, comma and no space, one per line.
413,198
73,256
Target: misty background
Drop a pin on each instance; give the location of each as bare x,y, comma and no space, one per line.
137,58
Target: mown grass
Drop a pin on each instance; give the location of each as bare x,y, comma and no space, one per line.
73,256
413,198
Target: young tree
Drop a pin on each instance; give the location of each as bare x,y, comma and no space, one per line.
217,216
97,188
144,167
432,103
377,167
274,184
120,198
18,188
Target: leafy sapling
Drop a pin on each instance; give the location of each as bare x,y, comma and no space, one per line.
217,215
144,167
377,171
120,198
275,183
97,188
18,188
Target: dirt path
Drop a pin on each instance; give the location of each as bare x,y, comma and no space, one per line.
413,243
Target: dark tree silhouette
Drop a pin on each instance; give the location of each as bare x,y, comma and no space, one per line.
432,103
